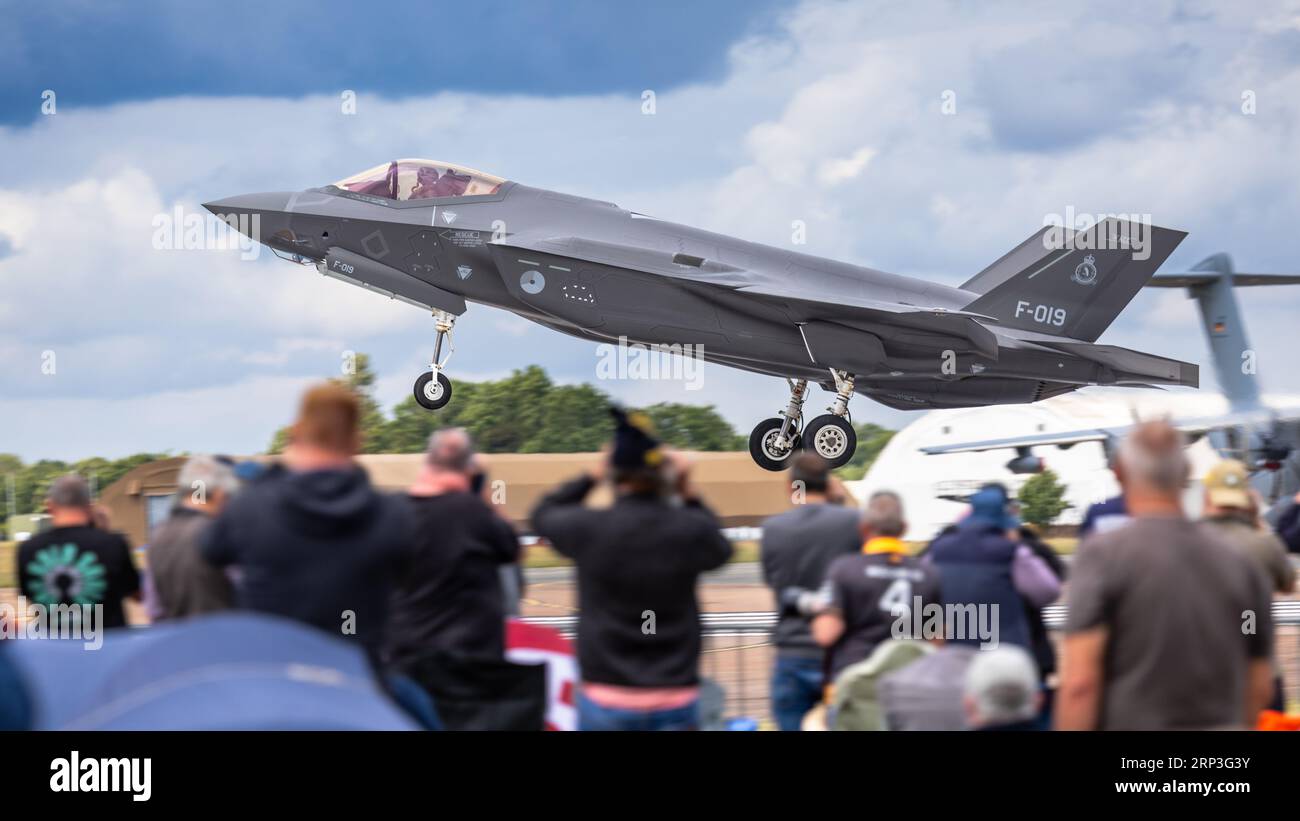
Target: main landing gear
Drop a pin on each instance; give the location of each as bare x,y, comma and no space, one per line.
433,388
831,436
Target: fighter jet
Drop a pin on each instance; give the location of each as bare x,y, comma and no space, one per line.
440,236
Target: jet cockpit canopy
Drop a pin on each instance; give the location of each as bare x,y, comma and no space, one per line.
414,179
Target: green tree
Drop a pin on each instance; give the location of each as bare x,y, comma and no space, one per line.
575,420
872,439
361,381
693,427
1042,498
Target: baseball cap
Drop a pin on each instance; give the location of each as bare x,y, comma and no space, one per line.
1228,484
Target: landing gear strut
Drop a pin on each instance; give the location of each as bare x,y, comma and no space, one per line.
775,440
433,388
831,436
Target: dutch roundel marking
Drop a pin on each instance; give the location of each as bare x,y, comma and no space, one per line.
532,282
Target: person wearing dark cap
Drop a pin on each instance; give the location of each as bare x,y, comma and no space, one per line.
982,570
638,563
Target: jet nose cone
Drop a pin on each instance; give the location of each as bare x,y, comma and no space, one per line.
250,203
261,217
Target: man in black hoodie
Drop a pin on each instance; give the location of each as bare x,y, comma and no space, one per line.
311,538
638,563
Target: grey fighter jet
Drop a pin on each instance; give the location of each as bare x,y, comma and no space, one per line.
440,236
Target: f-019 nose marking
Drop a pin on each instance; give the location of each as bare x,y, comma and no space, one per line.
532,282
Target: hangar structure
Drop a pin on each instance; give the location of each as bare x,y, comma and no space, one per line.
739,492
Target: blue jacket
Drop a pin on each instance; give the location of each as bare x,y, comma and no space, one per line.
974,561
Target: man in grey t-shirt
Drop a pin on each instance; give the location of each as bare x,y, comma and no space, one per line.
798,547
1169,626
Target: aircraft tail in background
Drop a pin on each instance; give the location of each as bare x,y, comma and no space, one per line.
1210,283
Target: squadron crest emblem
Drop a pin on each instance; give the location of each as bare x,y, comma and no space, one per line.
1085,273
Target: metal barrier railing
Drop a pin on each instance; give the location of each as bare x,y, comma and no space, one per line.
738,655
744,623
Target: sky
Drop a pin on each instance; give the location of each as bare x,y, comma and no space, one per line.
923,138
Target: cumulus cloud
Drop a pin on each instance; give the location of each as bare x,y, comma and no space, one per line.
834,117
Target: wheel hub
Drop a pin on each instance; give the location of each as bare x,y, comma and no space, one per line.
433,390
770,449
830,442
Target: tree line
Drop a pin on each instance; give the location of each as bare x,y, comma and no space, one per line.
525,412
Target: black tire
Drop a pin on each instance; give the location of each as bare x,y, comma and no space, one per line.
831,438
430,395
760,437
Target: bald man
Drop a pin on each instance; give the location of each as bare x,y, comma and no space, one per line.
451,600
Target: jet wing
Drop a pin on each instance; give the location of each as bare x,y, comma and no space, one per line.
634,257
804,305
1065,439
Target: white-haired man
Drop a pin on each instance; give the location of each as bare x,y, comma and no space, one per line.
1169,626
1002,690
181,582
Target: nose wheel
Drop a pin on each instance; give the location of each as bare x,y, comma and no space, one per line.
433,388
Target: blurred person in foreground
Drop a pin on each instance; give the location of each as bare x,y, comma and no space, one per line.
312,538
1108,514
1040,640
1169,626
1001,691
638,563
511,573
1288,524
180,582
872,596
797,549
1231,509
982,564
74,562
451,599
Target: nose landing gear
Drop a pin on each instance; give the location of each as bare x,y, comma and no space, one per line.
433,388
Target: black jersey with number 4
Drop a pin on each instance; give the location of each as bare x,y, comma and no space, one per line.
871,592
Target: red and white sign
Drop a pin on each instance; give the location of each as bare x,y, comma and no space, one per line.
534,643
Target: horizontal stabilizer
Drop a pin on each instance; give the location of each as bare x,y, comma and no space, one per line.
1131,367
